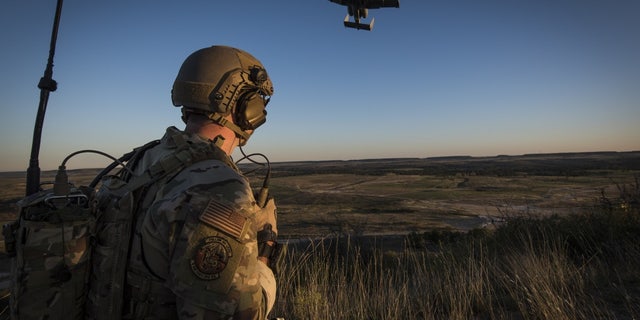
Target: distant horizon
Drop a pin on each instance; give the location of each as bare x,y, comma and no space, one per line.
68,168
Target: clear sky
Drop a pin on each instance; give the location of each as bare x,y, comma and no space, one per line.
433,78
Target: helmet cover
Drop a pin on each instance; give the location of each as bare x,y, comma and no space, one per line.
211,80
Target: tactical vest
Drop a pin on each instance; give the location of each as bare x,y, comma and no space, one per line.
69,253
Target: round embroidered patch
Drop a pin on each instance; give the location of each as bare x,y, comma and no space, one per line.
210,257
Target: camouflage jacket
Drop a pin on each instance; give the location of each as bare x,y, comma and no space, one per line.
194,251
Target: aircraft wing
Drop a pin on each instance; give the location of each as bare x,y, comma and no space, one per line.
374,4
369,4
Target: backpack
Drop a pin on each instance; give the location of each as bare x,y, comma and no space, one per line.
69,252
49,246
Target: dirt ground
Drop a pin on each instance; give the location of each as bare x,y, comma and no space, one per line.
400,196
400,204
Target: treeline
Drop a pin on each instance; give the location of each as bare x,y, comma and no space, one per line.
563,164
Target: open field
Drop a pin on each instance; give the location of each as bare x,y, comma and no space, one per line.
527,256
400,196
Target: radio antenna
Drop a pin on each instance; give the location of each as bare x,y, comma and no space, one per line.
46,85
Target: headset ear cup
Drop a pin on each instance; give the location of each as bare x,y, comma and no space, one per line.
251,112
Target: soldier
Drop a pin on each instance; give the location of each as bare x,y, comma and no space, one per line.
202,244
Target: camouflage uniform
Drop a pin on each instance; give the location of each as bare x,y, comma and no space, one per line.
194,251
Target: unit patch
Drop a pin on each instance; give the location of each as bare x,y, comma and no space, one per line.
210,257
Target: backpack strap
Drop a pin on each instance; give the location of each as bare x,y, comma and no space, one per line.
185,155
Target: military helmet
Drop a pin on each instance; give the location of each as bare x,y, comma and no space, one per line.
220,80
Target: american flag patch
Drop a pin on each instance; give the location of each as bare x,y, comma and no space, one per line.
224,218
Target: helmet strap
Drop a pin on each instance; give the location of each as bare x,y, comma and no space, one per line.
218,141
219,119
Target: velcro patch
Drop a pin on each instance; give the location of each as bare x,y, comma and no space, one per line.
210,258
224,218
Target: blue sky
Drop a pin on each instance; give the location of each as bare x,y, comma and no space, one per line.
434,78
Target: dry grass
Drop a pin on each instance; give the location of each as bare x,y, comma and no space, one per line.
582,266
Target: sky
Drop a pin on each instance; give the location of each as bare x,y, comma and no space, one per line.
433,78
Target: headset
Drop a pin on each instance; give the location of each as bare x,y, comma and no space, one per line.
246,91
251,110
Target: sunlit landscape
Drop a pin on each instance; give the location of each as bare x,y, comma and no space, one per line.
511,237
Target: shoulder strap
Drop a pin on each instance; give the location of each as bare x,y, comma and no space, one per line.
187,153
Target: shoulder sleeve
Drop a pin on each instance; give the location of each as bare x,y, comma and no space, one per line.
214,264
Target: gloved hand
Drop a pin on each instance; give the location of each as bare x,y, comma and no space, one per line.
268,248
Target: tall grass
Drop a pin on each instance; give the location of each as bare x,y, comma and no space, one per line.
584,266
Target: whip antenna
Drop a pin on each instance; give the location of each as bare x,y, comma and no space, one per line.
46,85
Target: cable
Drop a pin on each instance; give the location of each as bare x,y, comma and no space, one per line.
263,194
64,162
61,183
131,158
